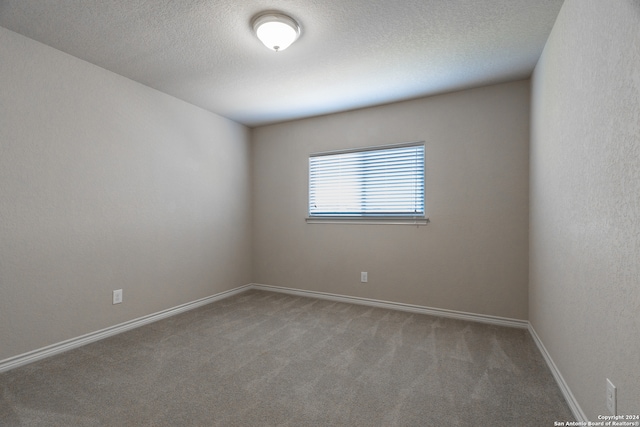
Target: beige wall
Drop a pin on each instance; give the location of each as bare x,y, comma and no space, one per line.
472,257
107,184
584,299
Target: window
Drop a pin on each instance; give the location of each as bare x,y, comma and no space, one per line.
378,183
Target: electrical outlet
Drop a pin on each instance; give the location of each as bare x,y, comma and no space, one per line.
612,398
117,296
363,277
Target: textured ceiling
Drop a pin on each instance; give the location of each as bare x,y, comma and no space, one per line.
351,54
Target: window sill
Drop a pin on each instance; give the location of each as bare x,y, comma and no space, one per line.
368,220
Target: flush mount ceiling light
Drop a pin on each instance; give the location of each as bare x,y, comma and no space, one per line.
276,30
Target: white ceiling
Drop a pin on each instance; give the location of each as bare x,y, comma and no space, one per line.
351,54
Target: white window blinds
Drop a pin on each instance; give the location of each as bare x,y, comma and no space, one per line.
374,182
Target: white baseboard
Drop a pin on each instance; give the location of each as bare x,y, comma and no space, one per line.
51,350
483,318
32,356
63,346
577,411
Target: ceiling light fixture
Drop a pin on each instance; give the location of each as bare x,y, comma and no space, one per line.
276,30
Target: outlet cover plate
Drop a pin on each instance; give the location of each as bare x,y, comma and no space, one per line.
612,398
117,296
364,277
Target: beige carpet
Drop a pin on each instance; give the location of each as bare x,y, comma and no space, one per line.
270,359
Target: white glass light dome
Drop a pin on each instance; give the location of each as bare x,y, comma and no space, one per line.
276,30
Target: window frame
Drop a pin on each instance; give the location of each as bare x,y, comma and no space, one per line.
369,219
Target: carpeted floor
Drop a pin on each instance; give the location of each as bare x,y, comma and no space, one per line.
269,359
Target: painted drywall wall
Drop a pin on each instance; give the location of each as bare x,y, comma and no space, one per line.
584,299
473,257
108,184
